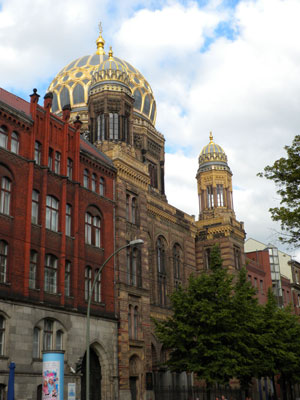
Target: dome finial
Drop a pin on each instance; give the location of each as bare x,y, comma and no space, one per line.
100,41
211,138
110,53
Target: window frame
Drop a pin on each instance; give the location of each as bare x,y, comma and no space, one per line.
35,206
3,261
50,273
5,195
33,269
52,213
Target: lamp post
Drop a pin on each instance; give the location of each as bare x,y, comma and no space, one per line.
87,382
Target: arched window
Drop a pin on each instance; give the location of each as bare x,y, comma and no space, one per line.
52,205
94,182
35,207
48,332
135,322
5,195
161,256
68,278
161,269
97,294
2,335
130,321
37,152
68,219
113,126
93,228
3,136
50,275
33,269
3,261
133,316
87,283
86,178
48,335
102,186
14,143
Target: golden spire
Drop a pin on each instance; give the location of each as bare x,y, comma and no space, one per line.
100,41
110,53
211,138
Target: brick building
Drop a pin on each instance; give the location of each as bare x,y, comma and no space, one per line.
118,110
56,228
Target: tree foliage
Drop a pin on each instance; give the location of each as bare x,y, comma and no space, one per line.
219,331
285,172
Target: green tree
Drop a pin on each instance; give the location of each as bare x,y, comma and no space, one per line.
285,172
279,343
203,332
245,321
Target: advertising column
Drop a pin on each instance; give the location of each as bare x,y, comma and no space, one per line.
53,375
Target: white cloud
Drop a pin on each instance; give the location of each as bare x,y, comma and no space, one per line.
246,90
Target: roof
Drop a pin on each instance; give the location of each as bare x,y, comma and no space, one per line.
15,101
90,148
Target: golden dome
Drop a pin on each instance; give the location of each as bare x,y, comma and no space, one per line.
212,156
71,84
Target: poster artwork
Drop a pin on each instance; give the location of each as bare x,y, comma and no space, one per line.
51,380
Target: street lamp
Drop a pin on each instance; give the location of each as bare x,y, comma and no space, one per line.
87,382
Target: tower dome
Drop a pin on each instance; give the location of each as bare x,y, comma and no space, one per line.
71,85
212,156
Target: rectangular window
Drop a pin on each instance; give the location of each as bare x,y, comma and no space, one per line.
5,196
70,168
57,162
50,158
52,213
3,260
68,219
261,286
2,331
36,343
68,278
35,207
32,269
37,152
50,275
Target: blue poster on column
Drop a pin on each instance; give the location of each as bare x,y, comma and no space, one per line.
53,375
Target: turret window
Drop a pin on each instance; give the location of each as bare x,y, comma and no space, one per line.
101,127
210,196
113,126
220,196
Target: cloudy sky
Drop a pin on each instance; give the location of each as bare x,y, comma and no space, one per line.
227,66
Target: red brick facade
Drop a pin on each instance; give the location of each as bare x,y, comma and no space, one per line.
42,164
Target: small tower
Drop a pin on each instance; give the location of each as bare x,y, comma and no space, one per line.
217,222
214,182
110,103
